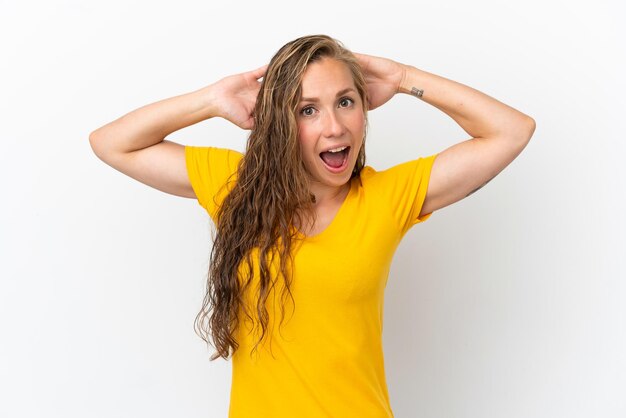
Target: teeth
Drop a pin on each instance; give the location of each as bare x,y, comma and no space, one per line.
337,149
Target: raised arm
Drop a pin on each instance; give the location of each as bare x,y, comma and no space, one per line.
135,143
499,132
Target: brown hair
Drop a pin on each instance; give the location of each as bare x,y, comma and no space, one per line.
271,195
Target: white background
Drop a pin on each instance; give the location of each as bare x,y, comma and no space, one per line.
506,304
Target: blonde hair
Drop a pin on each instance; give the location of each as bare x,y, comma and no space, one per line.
271,195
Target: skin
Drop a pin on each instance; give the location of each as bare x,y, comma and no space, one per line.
135,143
331,115
498,132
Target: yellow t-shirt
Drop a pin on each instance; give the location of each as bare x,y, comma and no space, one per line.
326,359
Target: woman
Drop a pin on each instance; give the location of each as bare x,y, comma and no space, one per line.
303,226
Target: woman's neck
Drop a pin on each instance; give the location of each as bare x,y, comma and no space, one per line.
325,195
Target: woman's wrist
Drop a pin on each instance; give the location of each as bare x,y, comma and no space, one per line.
409,84
207,102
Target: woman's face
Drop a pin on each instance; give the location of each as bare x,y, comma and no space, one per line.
330,117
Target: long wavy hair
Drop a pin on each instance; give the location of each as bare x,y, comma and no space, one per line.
270,196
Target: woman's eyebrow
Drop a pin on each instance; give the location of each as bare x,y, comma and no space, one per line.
339,93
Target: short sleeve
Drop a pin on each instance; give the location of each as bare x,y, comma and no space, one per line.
406,187
212,173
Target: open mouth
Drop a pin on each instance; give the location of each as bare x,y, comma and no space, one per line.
336,159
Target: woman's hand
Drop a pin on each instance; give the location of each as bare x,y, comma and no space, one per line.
383,77
234,97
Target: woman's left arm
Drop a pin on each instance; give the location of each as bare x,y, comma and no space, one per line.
499,132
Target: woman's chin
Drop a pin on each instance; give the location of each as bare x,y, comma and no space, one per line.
338,179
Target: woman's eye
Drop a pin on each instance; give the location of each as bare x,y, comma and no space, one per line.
307,111
345,102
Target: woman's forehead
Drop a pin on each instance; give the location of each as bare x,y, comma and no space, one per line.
326,77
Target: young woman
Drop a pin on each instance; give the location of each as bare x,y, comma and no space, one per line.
303,227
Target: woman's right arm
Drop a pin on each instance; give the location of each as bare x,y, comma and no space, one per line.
135,143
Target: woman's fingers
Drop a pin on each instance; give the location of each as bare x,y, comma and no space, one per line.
383,77
362,58
259,72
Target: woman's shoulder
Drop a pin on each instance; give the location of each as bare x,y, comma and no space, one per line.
397,173
210,151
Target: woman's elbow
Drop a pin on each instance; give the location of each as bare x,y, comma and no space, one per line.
532,125
95,141
102,145
526,129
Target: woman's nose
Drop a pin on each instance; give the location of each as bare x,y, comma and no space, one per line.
333,125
